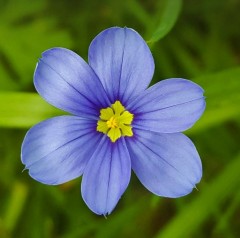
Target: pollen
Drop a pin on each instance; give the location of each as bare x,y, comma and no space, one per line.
115,121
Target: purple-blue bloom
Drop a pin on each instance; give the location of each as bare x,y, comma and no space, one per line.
117,122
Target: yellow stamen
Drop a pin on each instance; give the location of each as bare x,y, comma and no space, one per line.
112,122
115,121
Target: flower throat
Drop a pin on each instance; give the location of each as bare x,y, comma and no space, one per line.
115,121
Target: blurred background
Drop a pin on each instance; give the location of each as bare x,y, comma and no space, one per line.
197,40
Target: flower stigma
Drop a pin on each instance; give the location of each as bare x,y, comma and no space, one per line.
115,121
112,123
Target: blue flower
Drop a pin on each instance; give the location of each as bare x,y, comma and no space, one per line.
117,122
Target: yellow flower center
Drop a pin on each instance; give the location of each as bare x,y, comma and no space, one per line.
115,121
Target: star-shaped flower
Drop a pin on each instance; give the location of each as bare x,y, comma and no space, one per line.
117,122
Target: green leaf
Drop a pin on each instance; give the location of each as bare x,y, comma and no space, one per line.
212,196
15,205
168,19
23,110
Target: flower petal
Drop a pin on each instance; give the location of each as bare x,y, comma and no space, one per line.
170,106
66,81
166,164
106,176
57,150
123,62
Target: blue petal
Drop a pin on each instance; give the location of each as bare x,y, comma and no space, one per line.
123,62
169,106
166,164
57,150
106,176
66,81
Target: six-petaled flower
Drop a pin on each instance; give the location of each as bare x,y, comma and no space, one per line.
117,122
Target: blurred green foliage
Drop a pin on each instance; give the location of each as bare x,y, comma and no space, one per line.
199,40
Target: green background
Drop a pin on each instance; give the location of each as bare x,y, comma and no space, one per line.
197,40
